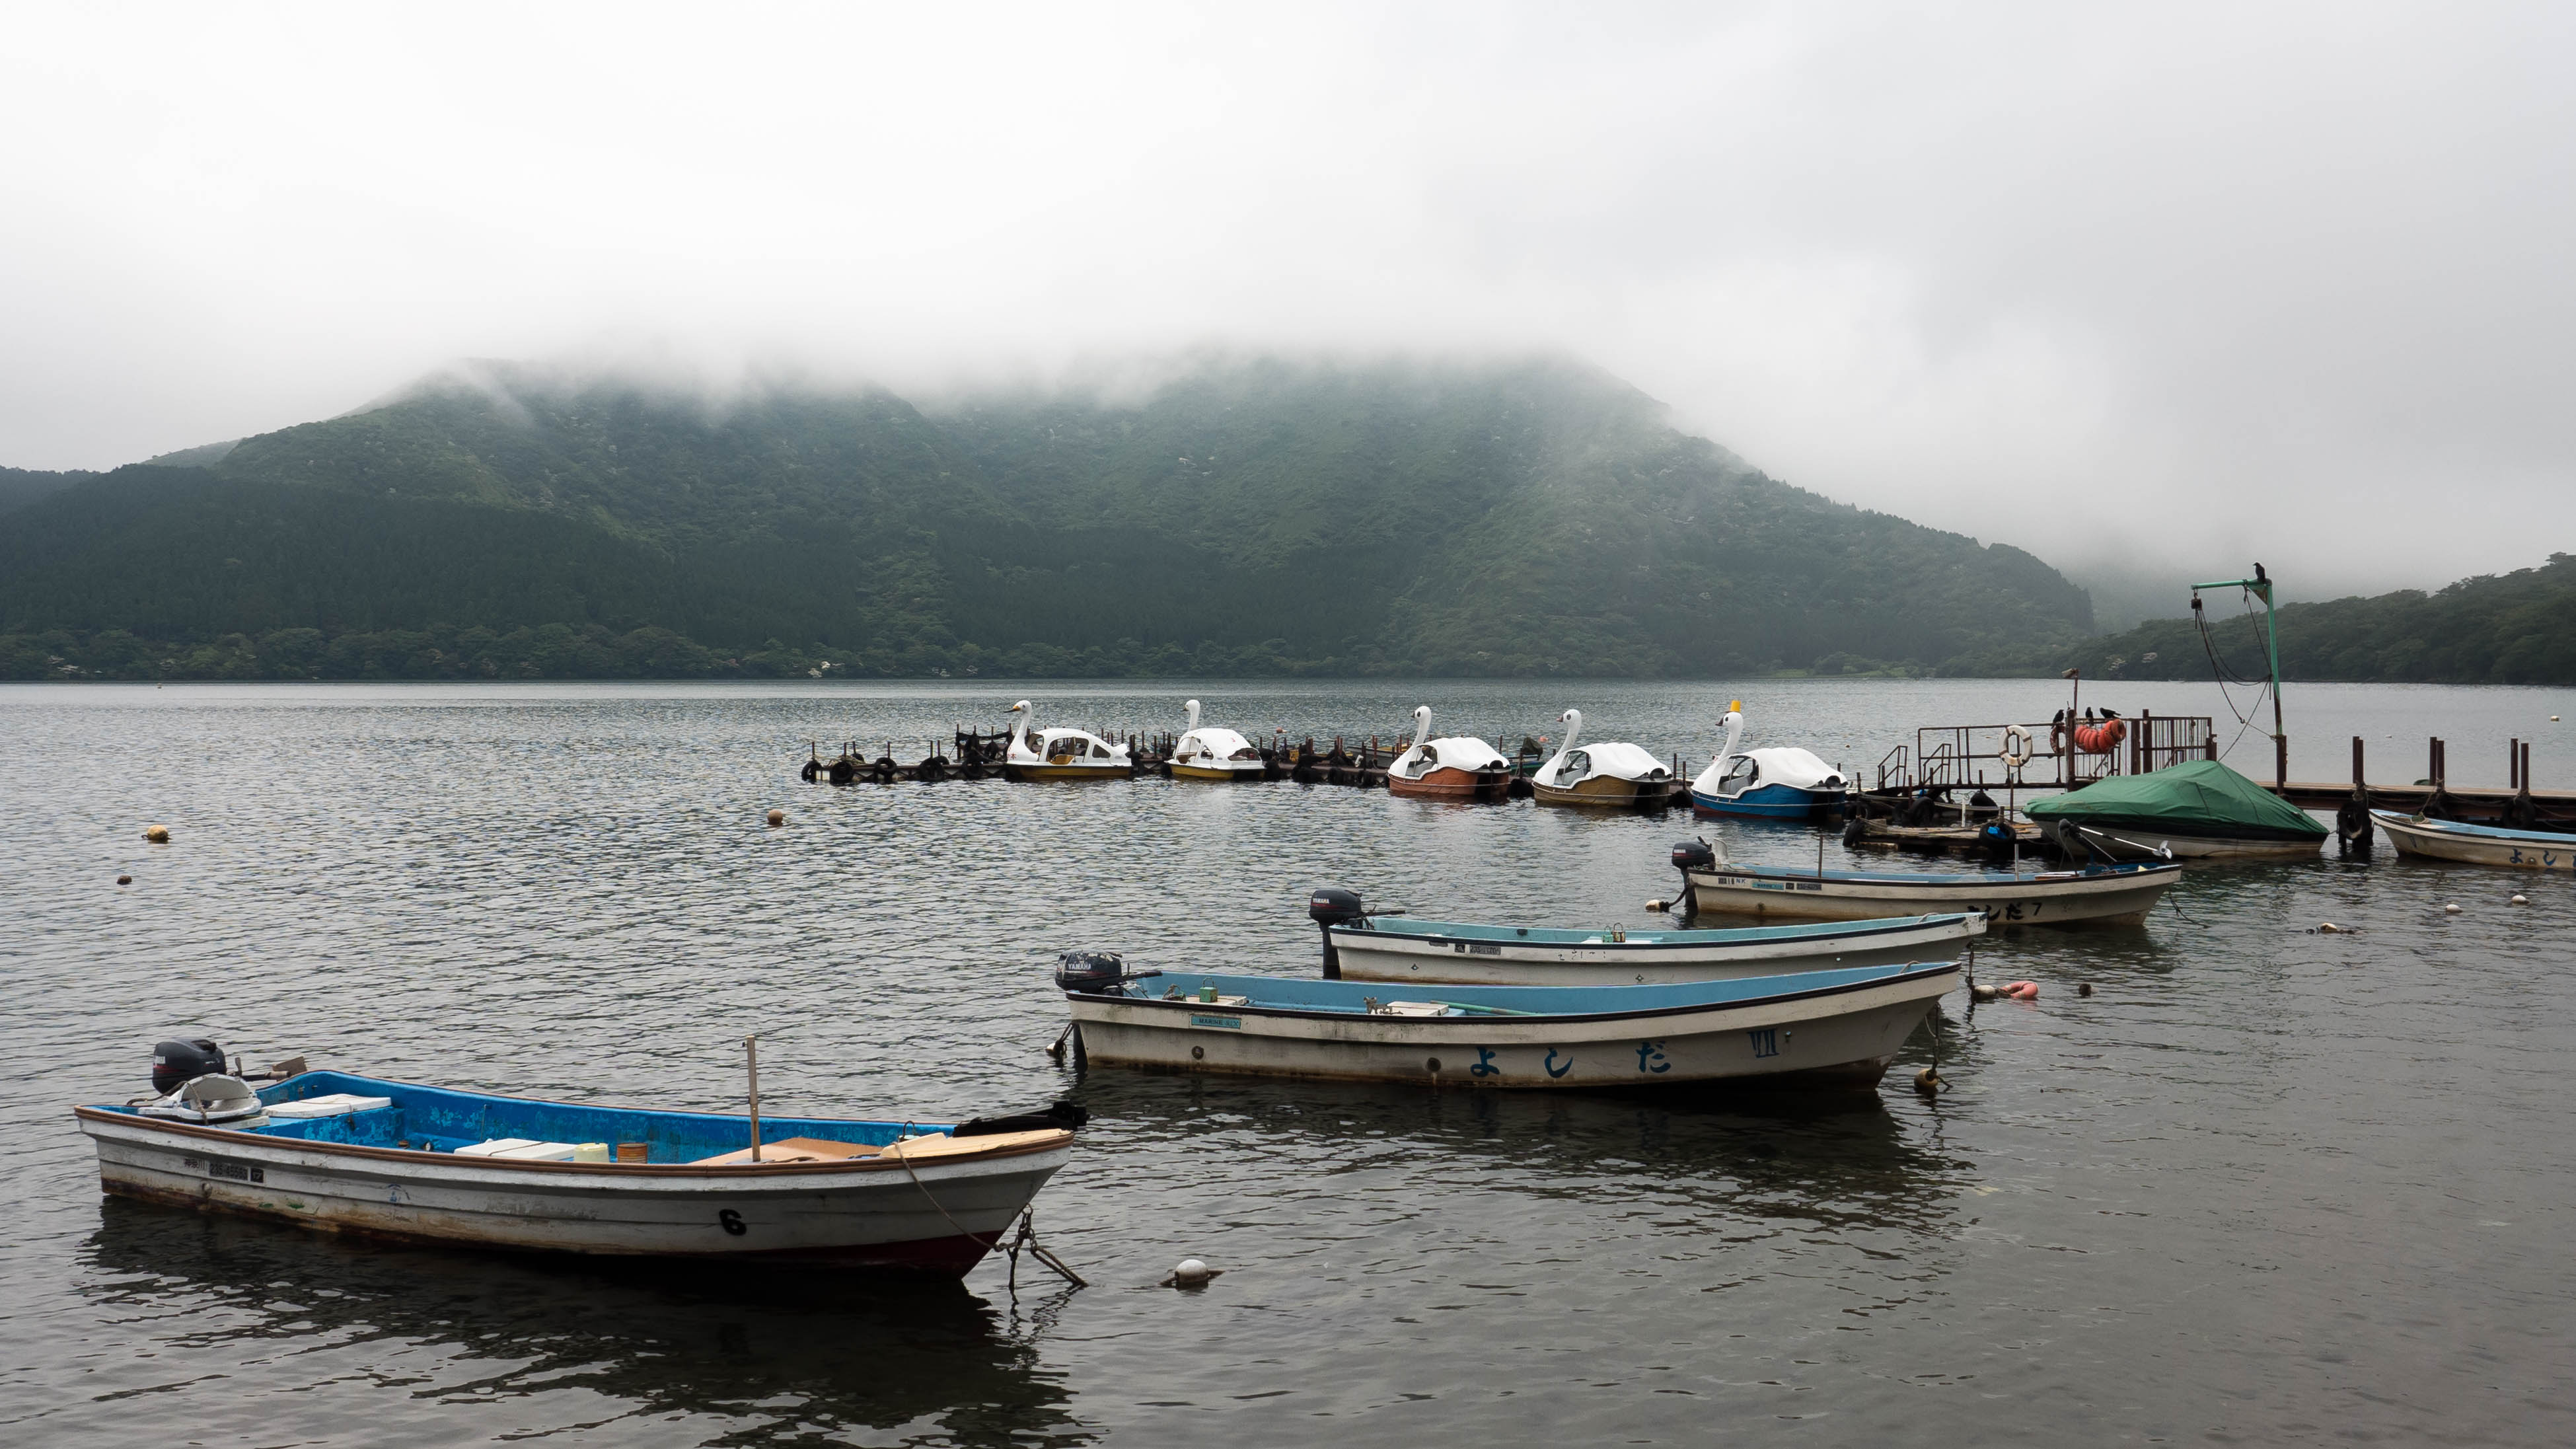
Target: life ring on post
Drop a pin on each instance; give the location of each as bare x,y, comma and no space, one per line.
2016,750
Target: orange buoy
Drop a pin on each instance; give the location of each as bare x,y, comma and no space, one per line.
2103,738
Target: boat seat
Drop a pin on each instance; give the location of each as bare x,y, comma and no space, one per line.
793,1149
1414,1008
521,1149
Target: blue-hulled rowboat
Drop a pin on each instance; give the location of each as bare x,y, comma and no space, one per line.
435,1164
1827,1027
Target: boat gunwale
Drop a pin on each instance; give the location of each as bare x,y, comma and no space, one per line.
2123,874
875,1162
1912,971
2470,830
1702,940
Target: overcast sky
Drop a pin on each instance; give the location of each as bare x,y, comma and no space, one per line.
2169,287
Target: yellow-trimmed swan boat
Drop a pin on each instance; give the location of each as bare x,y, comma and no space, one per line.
1212,753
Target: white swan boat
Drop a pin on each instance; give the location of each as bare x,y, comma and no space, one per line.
2426,839
1615,774
1460,767
1836,1028
345,1153
1360,946
1785,782
1061,754
1210,753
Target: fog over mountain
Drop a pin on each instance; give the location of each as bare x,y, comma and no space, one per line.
2159,291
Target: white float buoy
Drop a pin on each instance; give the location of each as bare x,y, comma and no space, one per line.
2452,909
1655,905
2520,901
1190,1273
2328,928
157,834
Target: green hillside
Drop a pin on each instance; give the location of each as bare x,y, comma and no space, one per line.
2516,628
1537,518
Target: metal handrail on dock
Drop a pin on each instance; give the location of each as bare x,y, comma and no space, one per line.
1952,757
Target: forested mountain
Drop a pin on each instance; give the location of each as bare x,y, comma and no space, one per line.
1536,518
20,486
2516,628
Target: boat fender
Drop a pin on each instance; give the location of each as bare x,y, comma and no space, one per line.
1657,905
2016,750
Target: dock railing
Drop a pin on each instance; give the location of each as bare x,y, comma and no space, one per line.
1961,757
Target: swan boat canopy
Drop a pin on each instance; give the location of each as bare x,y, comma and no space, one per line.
1789,782
1612,774
1061,754
346,1153
1461,767
1214,754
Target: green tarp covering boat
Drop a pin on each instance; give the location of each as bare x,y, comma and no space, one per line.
2203,800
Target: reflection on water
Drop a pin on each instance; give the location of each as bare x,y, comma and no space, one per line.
778,1357
2263,1185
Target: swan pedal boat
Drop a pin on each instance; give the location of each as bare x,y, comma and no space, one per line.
1061,754
1836,1028
1402,948
1615,775
2096,895
1781,784
901,1196
1460,767
2427,839
1213,753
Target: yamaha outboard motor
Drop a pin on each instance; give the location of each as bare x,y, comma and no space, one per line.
1688,856
1333,906
177,1063
1095,972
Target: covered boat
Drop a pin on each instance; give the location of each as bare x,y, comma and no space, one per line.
341,1152
1783,782
1035,754
1359,946
1838,1028
2201,809
1461,767
2095,895
1615,775
1211,753
2425,839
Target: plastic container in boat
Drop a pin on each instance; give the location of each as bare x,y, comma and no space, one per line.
332,1104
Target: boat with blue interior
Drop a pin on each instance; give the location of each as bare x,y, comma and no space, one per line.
2458,840
2095,894
1360,945
1824,1028
1781,783
347,1153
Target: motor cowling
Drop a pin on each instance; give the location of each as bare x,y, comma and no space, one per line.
1691,855
176,1063
1093,971
1334,906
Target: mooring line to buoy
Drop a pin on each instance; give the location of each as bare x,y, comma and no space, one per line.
1013,1251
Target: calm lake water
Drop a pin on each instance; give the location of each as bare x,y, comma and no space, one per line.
2264,1186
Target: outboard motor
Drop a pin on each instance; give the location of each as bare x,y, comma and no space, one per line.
1329,907
1094,972
176,1063
1688,856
